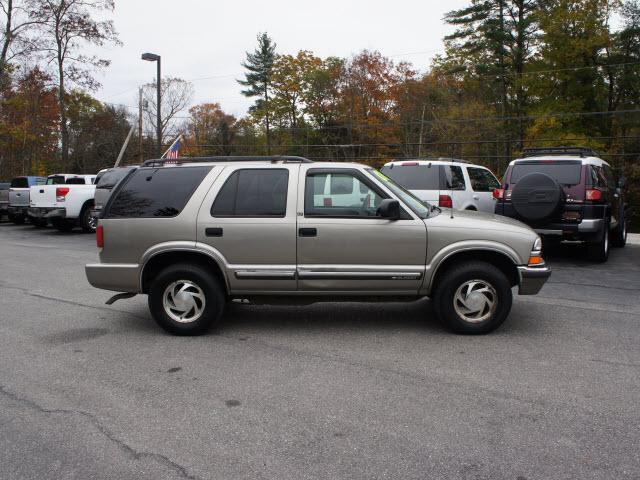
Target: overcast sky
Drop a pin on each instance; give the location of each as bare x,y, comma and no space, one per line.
205,41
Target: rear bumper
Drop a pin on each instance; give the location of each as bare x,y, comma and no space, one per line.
4,207
18,210
117,277
46,212
587,225
532,279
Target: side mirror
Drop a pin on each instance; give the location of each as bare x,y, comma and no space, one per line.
389,208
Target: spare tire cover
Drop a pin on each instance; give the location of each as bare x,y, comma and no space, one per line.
536,196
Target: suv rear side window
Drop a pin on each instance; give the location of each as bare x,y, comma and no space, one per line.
414,177
253,193
159,192
110,178
453,178
482,180
565,172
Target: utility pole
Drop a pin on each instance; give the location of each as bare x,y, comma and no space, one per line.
140,154
424,105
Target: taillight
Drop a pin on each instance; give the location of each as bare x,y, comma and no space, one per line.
61,193
100,236
498,193
445,201
593,195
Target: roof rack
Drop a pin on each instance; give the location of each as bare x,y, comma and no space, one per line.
582,151
431,159
179,161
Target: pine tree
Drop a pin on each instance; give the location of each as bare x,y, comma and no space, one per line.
259,65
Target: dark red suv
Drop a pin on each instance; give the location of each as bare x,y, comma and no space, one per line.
566,193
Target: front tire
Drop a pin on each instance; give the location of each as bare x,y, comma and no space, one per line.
185,299
473,298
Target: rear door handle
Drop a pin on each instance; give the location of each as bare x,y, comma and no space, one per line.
213,232
308,232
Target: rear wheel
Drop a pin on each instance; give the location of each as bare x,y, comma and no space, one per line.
17,219
38,222
599,251
62,224
619,235
473,298
87,222
186,299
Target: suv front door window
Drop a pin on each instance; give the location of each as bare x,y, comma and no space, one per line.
340,195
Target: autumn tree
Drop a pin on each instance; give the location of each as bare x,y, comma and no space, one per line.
66,27
176,94
259,66
211,130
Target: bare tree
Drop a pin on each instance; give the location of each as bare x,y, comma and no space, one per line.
65,26
18,20
176,96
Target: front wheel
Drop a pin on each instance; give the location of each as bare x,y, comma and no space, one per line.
473,298
185,299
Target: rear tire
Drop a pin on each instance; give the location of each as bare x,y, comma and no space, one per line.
17,219
62,224
599,251
619,235
87,222
38,222
186,299
473,298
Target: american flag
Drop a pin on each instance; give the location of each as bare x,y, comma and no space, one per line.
174,149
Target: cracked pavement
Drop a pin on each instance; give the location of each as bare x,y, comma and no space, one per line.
352,391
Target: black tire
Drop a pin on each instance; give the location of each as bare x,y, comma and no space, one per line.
537,197
460,277
598,251
38,222
208,285
62,224
17,219
86,221
619,235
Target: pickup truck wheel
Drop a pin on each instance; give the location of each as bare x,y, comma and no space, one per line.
39,222
62,224
17,219
186,299
473,298
599,251
87,222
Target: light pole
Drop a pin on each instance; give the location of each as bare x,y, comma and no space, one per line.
152,57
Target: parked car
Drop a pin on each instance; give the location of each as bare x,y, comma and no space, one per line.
4,199
105,183
19,197
566,193
268,229
66,201
446,182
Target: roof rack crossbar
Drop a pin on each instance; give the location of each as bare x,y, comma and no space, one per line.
273,159
582,151
432,159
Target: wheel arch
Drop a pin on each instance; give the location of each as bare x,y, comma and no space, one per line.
501,260
160,260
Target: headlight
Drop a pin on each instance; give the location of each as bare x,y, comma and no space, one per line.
537,245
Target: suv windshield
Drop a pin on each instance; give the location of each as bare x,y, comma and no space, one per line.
418,207
565,172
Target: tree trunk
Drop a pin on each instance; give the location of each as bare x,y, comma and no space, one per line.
266,111
7,42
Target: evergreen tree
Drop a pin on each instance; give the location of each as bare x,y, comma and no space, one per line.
259,65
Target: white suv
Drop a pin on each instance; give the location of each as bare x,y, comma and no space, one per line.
446,182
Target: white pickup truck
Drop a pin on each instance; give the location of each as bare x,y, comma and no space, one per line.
66,201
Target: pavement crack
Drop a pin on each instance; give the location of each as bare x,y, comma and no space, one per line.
123,446
26,291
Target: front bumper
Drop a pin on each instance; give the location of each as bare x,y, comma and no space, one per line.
531,279
118,277
46,212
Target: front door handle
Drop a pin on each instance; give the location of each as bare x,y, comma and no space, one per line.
308,232
476,197
213,232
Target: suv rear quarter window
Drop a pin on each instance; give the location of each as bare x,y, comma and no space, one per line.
452,178
156,192
482,180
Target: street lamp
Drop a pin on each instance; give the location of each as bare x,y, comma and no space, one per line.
152,57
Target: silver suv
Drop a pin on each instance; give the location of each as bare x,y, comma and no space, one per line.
194,234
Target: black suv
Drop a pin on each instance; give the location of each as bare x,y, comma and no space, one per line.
566,193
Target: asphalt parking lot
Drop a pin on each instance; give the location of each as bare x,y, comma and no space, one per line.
353,391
